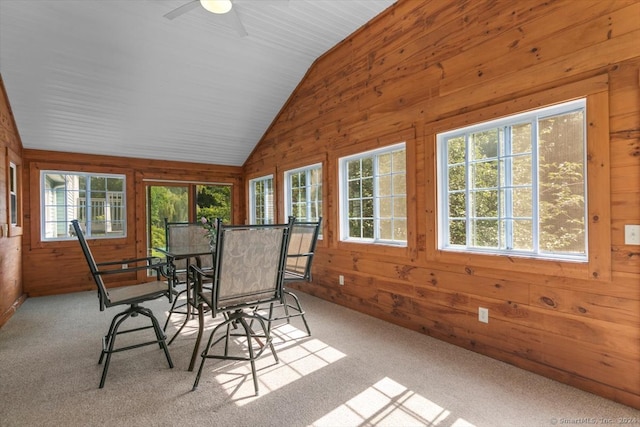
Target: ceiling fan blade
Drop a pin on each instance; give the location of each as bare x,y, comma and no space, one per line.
181,10
237,23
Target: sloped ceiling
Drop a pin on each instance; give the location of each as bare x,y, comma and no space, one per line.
115,77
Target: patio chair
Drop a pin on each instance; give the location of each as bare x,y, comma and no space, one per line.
300,253
132,295
248,271
183,240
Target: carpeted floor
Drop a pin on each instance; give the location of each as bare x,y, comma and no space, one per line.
354,370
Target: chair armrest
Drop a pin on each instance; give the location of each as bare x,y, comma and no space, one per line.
198,273
150,263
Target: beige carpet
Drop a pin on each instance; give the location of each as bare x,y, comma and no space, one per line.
353,371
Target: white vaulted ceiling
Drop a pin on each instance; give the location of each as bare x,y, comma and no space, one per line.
115,77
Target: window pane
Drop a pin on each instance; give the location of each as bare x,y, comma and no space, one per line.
354,190
386,229
355,228
367,229
367,167
522,170
522,203
400,229
399,207
384,163
521,138
367,187
355,209
456,150
457,178
457,232
484,145
457,205
384,185
484,203
399,184
386,207
367,208
523,235
354,169
485,233
562,183
484,174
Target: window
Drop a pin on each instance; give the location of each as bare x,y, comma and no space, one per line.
303,193
96,200
373,188
13,194
261,200
516,185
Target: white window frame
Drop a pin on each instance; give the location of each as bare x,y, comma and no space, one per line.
532,117
309,192
14,196
344,197
113,203
267,201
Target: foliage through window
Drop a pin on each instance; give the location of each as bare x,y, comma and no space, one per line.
516,185
374,196
261,200
97,201
176,203
304,193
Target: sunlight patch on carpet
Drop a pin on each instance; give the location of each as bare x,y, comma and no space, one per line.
388,403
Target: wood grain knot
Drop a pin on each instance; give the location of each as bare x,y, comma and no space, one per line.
548,301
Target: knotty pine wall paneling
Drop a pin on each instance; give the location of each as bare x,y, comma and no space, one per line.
423,66
11,292
61,265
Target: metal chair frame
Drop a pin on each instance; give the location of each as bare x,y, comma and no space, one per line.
230,298
174,231
297,269
132,295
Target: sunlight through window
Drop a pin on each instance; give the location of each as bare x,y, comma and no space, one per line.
387,403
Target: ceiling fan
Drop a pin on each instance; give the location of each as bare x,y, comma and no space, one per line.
214,6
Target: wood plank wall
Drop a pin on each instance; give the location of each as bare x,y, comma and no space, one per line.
59,267
426,65
11,294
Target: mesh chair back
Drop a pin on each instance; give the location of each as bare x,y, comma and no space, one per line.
102,289
188,235
302,246
249,265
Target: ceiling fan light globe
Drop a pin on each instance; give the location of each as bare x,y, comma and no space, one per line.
216,6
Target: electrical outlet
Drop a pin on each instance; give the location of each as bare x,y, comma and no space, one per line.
483,314
341,280
632,234
125,266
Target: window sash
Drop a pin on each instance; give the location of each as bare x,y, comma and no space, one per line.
303,197
374,203
509,160
13,194
87,197
261,200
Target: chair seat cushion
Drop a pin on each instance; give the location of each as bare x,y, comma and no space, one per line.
139,293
